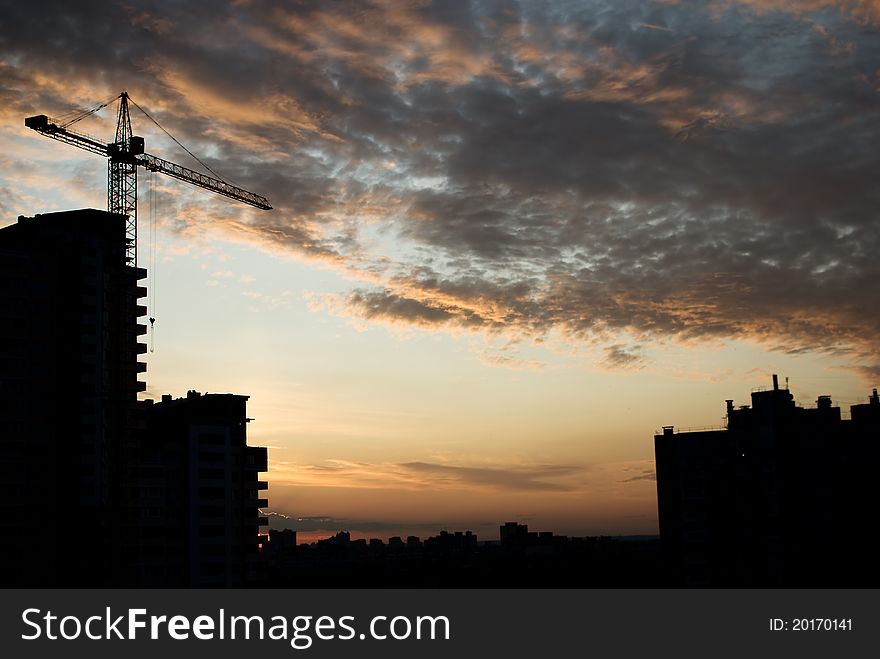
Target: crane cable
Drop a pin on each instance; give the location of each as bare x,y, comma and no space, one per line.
176,141
80,114
77,115
151,262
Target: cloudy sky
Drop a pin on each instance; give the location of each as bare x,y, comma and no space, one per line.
510,239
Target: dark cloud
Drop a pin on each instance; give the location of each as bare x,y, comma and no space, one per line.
382,304
688,170
534,478
647,475
621,356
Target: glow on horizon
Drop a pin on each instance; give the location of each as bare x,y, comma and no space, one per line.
343,405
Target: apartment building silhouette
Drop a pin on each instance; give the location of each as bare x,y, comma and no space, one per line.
78,452
783,496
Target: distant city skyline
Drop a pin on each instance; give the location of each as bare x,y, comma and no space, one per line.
509,242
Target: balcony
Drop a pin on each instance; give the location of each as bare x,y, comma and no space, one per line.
262,485
257,458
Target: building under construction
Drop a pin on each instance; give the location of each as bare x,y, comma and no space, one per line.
78,452
69,329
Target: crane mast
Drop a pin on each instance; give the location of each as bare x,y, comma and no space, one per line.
122,174
124,155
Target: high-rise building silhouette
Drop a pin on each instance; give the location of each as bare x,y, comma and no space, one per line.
199,494
97,489
68,388
783,496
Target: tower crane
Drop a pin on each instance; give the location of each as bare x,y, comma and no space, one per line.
124,155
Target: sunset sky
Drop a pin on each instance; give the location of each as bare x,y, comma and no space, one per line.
510,239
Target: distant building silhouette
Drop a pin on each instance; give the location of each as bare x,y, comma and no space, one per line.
513,533
456,541
458,559
783,496
68,387
282,540
198,494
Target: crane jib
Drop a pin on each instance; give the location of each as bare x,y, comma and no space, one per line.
135,154
156,164
125,154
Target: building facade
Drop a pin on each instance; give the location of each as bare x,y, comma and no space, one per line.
97,488
69,329
782,496
199,494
